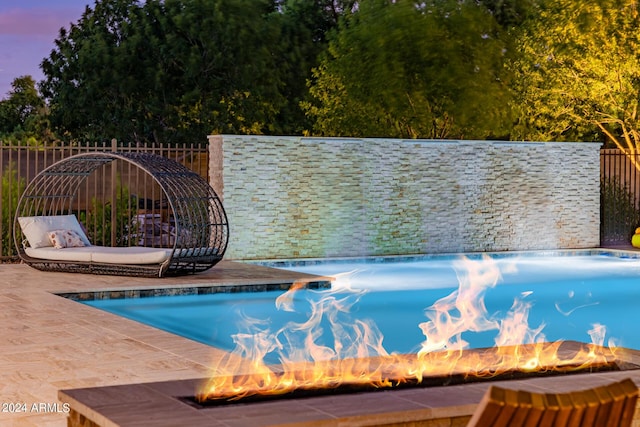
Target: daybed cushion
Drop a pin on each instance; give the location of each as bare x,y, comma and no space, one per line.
81,254
36,228
129,255
102,254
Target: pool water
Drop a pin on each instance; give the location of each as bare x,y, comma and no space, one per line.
568,295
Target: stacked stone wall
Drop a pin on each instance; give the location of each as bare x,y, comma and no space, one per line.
295,197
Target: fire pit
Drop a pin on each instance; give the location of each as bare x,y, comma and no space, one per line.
200,401
406,371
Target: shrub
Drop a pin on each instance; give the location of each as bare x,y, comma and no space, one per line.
99,223
10,192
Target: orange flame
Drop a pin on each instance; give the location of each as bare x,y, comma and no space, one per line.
358,357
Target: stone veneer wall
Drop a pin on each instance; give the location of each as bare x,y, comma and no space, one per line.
292,197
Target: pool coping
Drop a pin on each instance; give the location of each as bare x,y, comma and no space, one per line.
379,259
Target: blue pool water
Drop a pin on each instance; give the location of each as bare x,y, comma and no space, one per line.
567,295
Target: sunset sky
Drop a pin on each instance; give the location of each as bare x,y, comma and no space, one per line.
28,29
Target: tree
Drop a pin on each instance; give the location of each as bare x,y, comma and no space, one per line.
172,70
578,73
23,107
509,13
407,70
84,82
304,27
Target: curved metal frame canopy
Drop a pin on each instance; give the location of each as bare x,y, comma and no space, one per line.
196,208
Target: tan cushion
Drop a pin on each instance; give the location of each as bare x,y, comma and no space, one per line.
129,255
102,254
82,254
36,228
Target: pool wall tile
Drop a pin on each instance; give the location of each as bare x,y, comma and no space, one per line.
188,290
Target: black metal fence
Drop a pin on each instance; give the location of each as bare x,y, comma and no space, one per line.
21,163
619,197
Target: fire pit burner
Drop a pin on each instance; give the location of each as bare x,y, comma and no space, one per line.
607,363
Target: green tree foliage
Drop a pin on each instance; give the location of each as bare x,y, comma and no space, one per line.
304,26
176,70
509,13
88,95
578,73
398,69
101,224
172,70
24,110
11,188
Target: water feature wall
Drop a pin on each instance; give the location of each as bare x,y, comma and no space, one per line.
292,197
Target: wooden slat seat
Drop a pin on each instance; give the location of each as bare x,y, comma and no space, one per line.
613,405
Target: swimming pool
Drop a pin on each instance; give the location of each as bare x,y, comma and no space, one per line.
567,296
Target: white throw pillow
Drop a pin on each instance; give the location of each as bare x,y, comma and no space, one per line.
36,228
61,239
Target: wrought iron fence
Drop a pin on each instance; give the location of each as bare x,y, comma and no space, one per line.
20,163
619,197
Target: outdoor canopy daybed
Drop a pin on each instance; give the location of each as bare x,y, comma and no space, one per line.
194,228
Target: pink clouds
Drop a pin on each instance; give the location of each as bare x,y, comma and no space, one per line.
35,22
28,29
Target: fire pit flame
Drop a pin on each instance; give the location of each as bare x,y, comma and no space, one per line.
358,359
